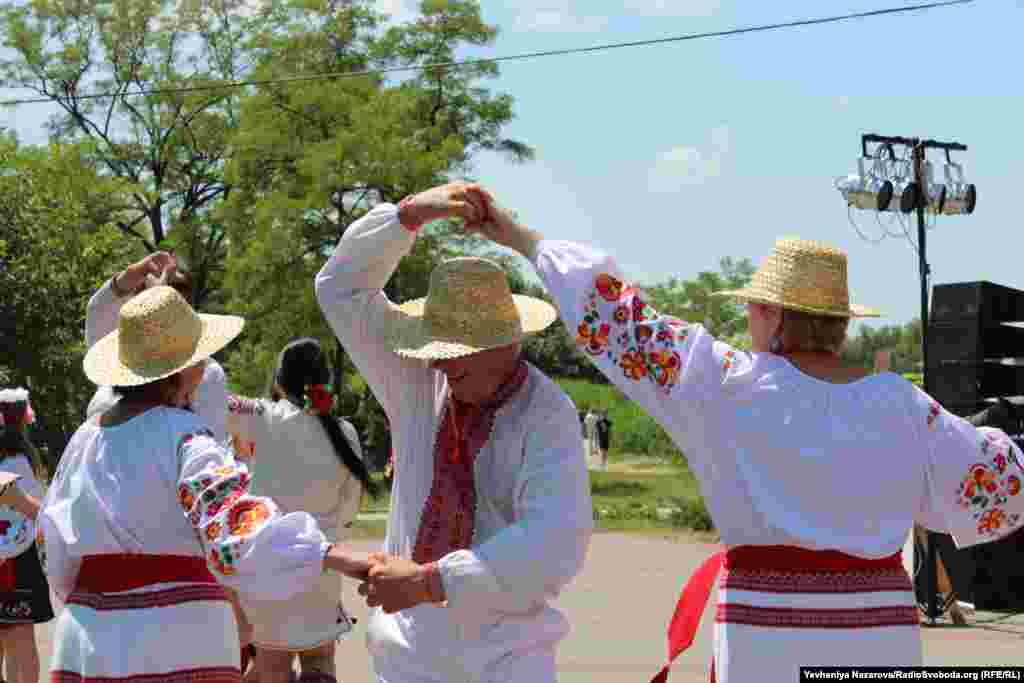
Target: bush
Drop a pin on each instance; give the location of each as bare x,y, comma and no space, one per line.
691,513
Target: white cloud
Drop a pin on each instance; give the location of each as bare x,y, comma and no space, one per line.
556,16
397,10
686,165
673,8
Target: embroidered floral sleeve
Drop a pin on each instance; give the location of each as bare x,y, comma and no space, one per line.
972,479
246,417
249,545
650,356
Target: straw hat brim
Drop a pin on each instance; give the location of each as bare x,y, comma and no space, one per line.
408,335
763,297
103,364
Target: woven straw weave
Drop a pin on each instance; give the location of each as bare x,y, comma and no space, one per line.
803,275
158,334
468,308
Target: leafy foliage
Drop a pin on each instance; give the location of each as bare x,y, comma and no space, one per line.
56,249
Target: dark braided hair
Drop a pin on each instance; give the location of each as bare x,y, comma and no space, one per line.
13,439
302,363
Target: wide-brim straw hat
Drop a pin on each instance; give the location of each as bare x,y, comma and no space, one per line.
805,276
157,335
468,308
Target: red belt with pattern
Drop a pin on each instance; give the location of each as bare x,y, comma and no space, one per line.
114,573
778,558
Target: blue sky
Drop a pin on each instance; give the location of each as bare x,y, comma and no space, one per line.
674,156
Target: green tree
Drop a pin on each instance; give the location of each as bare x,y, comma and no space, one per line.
169,147
692,300
55,250
308,161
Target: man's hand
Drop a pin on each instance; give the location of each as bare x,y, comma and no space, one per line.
396,584
158,265
446,201
500,225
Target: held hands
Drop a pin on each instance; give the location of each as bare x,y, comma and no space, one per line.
395,584
454,200
500,225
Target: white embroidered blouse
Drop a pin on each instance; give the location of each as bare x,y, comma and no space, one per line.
784,458
532,488
160,484
20,540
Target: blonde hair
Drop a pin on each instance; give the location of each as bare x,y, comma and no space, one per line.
811,332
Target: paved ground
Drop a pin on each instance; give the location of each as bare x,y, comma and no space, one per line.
621,604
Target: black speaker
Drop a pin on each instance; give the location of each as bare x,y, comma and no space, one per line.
987,302
990,575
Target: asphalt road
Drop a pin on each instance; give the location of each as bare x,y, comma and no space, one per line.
619,608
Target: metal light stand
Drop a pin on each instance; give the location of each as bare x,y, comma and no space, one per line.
919,149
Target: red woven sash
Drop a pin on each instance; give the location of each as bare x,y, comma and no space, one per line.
694,598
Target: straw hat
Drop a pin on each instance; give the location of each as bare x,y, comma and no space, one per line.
157,335
803,276
468,309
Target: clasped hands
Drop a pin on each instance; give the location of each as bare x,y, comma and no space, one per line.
477,208
394,584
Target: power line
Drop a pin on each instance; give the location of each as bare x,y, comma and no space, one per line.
505,58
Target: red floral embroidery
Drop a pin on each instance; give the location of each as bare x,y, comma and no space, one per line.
594,338
933,414
633,365
608,287
247,516
989,485
643,343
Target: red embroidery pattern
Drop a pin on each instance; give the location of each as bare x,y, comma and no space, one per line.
449,515
213,674
151,599
853,582
785,617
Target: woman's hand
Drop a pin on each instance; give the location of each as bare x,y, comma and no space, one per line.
454,200
501,227
160,265
12,496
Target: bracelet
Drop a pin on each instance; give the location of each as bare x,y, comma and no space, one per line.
410,226
118,292
435,585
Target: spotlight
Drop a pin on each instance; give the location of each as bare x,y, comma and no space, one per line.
961,197
866,190
903,187
935,195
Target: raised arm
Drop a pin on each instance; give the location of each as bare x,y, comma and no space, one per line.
972,477
104,306
673,368
350,287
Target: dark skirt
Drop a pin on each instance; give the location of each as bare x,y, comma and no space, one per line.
26,599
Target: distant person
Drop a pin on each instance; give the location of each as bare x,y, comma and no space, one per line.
814,471
603,430
308,460
24,590
590,429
